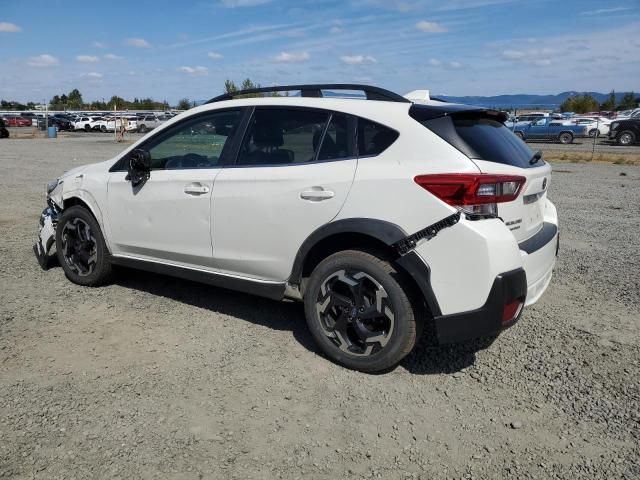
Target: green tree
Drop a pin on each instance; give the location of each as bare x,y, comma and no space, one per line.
610,103
230,86
628,101
184,104
74,99
580,104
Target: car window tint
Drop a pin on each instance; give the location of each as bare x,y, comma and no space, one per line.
335,143
196,143
374,138
282,137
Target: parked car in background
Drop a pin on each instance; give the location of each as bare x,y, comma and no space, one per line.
54,121
625,132
549,129
87,123
595,126
4,133
148,122
18,122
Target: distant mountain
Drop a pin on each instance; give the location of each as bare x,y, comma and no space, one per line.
524,100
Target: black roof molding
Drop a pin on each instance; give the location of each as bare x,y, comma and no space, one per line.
315,90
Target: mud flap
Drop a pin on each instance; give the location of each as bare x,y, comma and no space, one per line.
46,237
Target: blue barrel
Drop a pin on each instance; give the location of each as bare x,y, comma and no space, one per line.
52,132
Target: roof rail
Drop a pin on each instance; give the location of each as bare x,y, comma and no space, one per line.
315,90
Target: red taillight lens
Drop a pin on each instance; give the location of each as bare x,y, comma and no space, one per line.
511,310
460,189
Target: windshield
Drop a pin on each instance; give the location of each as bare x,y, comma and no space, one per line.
480,136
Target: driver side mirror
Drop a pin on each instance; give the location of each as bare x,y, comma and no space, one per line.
139,167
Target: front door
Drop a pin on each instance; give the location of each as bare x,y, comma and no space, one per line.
293,173
169,217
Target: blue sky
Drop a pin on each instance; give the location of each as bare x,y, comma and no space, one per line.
174,49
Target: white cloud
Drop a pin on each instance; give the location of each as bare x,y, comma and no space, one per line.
137,42
242,3
513,54
435,62
44,60
214,55
454,65
87,59
92,75
335,30
99,45
7,27
357,59
197,70
287,57
603,11
111,56
534,56
430,27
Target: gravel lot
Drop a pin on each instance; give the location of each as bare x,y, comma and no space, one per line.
153,377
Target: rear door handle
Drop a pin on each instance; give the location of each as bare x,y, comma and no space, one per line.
317,194
196,189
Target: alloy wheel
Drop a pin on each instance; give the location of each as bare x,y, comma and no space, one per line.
79,247
355,312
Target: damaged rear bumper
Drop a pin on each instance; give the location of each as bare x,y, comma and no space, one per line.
46,235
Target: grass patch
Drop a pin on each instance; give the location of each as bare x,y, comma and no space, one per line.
583,157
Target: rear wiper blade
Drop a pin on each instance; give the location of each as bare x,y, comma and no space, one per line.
536,158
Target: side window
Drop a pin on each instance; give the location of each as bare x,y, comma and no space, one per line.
541,123
282,136
374,138
335,144
196,143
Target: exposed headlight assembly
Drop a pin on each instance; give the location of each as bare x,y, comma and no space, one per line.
51,186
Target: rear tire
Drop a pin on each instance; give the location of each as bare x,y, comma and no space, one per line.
87,128
565,138
594,132
142,129
103,128
81,249
358,311
626,138
520,135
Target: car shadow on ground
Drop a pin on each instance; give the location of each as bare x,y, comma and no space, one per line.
427,358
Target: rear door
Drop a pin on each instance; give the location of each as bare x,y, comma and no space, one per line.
294,169
539,129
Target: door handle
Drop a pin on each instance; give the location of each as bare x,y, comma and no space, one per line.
316,194
196,189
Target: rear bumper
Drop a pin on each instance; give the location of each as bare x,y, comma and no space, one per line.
486,320
538,259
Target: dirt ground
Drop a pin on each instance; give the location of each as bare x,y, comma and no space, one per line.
153,377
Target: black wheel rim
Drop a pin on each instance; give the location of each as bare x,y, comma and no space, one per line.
355,312
79,247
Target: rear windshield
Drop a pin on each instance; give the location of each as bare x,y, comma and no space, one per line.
481,136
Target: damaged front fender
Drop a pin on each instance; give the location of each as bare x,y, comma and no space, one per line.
46,235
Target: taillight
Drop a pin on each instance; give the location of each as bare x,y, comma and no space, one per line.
475,194
511,310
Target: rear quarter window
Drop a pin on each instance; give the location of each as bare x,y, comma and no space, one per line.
374,138
480,136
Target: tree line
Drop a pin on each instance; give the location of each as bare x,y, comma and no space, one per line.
587,103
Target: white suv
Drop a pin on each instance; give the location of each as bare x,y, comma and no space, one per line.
381,215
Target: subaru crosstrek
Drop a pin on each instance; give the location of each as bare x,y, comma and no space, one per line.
381,214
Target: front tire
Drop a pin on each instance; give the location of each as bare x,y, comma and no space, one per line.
625,138
81,249
358,312
520,135
594,132
142,129
565,138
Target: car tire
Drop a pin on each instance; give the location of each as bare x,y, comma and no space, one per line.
520,135
81,249
594,132
142,129
103,128
358,311
87,128
625,138
565,138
